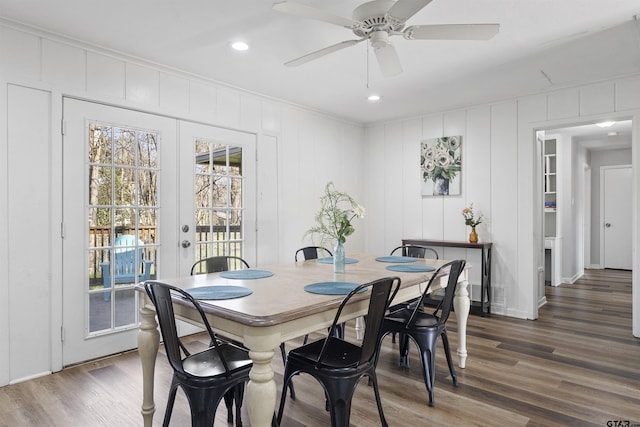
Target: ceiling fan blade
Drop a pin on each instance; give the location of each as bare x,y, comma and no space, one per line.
305,11
405,9
388,60
451,32
322,52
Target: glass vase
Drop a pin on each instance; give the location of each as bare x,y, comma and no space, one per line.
338,258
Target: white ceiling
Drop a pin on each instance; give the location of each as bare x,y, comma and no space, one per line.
542,44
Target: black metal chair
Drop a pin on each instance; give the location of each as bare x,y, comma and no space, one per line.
416,251
339,365
217,264
312,252
206,376
425,328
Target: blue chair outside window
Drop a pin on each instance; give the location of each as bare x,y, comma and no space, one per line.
124,268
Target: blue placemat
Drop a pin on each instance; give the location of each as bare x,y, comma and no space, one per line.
332,288
411,268
246,274
219,292
329,260
396,259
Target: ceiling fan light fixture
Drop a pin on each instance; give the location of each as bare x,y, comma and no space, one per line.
240,46
374,97
379,39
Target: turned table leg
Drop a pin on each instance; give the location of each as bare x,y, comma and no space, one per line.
148,343
461,305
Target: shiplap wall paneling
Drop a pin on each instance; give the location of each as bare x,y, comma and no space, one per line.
20,53
268,114
268,238
29,137
504,196
174,94
142,85
329,166
63,65
563,104
203,102
477,169
627,94
392,191
228,108
352,137
597,99
252,111
105,76
374,180
293,185
4,247
432,206
411,212
455,123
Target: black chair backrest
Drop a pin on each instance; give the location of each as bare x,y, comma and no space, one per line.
382,293
444,307
216,264
311,252
161,296
416,251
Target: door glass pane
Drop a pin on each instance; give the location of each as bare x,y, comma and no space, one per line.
218,199
122,223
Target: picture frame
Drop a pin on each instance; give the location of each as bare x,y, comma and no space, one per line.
441,166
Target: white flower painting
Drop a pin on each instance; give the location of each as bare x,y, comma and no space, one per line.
440,166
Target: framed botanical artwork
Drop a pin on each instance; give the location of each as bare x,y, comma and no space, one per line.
440,166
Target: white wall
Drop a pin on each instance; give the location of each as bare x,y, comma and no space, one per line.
497,176
311,148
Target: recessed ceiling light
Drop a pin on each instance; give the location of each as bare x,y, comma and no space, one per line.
240,46
606,124
613,134
374,98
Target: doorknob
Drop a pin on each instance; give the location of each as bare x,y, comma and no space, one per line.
608,224
186,243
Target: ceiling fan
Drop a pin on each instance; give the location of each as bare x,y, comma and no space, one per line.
377,21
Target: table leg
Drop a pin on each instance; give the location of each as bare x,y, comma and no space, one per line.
261,390
461,305
148,342
360,328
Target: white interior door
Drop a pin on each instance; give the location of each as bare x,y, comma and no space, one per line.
217,194
119,168
616,216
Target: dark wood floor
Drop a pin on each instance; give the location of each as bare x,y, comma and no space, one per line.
577,365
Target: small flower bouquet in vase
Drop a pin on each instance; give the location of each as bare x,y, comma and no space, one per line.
334,222
471,220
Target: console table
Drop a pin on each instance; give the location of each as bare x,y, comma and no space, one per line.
483,306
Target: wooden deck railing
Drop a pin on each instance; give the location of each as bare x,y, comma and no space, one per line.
208,242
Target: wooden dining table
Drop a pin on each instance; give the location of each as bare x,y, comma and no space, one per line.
279,309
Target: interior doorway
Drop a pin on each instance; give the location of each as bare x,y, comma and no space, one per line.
572,172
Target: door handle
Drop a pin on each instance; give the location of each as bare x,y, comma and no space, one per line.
608,224
186,243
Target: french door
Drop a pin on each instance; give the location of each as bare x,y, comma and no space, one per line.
133,210
217,196
115,166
